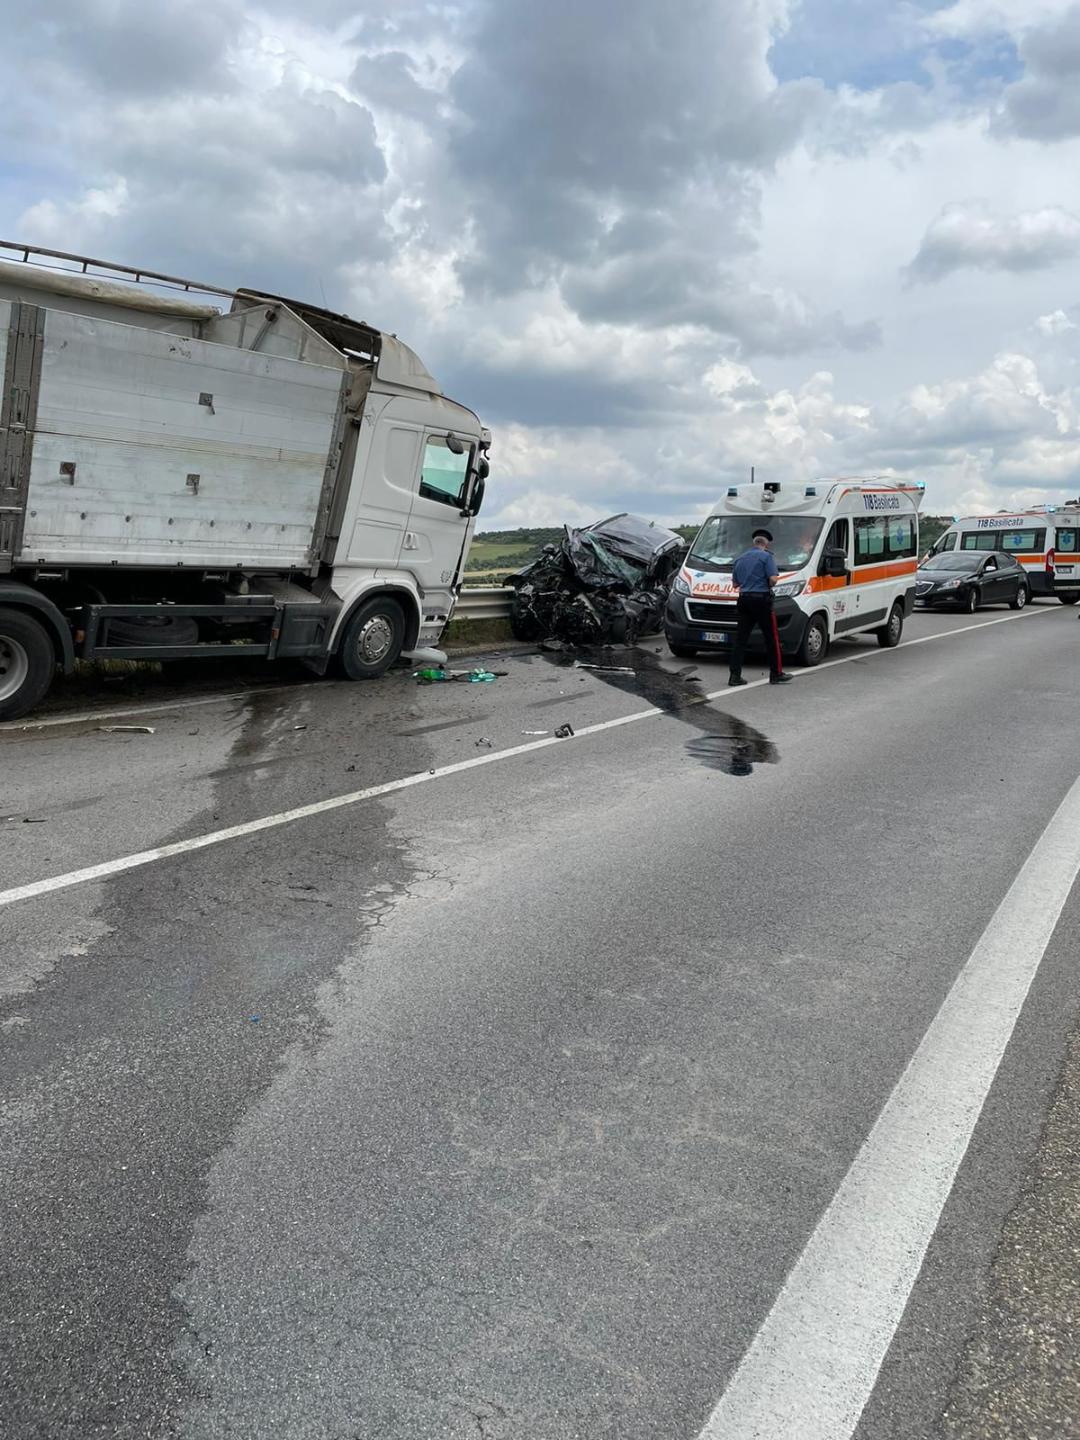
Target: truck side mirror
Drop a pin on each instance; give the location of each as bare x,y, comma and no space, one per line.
476,499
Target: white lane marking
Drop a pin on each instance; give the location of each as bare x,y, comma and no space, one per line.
814,1362
87,716
355,797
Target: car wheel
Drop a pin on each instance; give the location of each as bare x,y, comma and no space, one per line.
372,640
1068,599
971,601
27,663
815,642
681,652
888,637
1021,598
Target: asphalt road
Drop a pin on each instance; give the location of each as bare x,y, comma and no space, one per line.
503,1103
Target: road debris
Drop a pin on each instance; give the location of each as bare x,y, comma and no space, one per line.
431,676
602,584
483,743
564,732
536,732
126,729
610,669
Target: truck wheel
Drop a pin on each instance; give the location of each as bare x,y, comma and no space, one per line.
162,629
888,637
815,642
27,663
372,639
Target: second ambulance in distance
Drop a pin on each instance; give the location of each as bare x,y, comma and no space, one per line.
1044,540
847,551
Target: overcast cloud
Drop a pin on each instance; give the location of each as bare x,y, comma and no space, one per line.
651,245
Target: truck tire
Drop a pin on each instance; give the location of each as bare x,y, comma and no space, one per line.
372,639
162,629
27,663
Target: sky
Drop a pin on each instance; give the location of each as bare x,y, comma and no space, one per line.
651,245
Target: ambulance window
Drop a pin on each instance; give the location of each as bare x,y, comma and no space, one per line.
871,539
978,540
1066,541
1023,540
947,541
838,536
900,537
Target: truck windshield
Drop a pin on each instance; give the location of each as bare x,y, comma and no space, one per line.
723,538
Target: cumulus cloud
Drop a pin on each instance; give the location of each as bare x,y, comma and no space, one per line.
650,253
969,234
1045,103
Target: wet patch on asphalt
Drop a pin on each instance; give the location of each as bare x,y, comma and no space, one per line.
726,742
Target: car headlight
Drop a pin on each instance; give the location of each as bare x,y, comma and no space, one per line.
680,586
951,584
790,588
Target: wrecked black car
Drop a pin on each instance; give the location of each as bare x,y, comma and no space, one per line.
603,584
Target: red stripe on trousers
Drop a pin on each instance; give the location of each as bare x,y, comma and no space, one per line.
776,642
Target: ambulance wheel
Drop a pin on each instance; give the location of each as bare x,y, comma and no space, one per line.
972,601
888,637
815,642
1068,599
372,639
681,652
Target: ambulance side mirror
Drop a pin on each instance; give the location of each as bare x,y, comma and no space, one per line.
833,561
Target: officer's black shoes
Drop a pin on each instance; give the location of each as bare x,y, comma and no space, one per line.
780,679
736,680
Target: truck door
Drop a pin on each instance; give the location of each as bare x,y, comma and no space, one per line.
435,537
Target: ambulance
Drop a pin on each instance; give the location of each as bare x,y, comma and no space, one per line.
1045,540
847,551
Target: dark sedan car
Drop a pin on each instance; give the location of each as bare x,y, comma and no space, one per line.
970,578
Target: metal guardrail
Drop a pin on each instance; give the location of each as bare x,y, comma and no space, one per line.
484,602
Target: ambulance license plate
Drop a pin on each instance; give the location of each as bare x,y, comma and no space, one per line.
715,637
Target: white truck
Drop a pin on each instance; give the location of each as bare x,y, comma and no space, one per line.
180,478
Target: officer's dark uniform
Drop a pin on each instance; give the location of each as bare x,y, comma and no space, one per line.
750,574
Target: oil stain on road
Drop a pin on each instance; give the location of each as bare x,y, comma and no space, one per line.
725,742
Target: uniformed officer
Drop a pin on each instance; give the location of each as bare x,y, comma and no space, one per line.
753,575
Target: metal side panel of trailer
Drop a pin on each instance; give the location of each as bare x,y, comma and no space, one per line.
157,449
